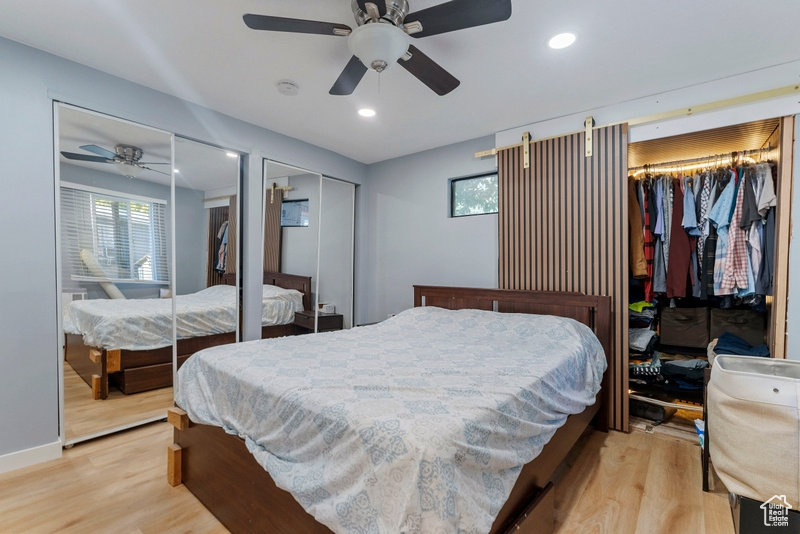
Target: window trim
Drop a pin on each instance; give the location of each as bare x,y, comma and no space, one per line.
451,195
112,193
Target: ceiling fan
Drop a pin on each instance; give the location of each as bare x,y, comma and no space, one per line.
382,36
126,158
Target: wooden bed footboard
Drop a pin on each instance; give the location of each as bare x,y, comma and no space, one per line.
219,470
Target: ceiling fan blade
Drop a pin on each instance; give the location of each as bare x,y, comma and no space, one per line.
86,157
349,78
429,72
149,169
153,163
458,15
100,151
281,24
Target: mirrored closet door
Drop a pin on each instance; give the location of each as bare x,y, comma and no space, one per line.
337,209
114,207
206,257
308,232
291,236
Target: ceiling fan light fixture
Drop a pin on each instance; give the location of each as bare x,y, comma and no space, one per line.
378,45
126,169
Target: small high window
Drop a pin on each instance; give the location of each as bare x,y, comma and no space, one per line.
475,195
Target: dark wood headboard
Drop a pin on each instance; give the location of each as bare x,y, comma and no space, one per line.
284,280
291,281
593,311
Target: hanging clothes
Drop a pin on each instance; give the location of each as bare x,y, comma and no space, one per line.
767,198
736,262
766,207
720,217
689,222
709,257
666,186
707,235
636,244
766,271
222,251
703,207
680,248
649,248
659,265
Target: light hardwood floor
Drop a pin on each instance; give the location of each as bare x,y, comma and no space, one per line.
85,416
612,483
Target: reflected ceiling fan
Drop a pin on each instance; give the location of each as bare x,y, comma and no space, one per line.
126,158
382,36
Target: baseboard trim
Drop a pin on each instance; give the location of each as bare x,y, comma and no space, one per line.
28,457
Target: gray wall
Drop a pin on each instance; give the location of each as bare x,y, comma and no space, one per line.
28,319
191,244
299,243
404,235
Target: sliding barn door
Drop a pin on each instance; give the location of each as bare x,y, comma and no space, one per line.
563,225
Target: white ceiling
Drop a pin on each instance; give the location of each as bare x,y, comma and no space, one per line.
201,51
198,166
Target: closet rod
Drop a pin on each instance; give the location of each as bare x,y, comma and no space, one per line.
716,157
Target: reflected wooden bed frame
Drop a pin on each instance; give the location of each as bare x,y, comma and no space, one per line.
133,371
219,470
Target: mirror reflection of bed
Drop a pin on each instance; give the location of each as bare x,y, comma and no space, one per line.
308,229
115,252
206,259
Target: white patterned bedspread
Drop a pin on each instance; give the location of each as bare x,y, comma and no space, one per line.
418,424
144,324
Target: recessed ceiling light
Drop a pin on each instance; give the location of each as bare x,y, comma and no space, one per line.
562,40
232,154
176,170
366,112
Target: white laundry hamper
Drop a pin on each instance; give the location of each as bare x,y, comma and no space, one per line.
754,426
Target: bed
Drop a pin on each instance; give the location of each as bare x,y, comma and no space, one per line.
226,472
104,350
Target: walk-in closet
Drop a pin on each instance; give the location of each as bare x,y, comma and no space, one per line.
709,233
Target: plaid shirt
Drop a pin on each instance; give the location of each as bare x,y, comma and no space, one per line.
720,217
735,268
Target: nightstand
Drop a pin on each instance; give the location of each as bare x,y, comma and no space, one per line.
304,322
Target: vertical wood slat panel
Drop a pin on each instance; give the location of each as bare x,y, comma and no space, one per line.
216,217
233,233
562,228
272,233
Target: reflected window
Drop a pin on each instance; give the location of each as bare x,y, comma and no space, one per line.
294,212
114,237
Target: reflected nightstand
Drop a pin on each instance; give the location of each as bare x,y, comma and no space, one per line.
304,322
